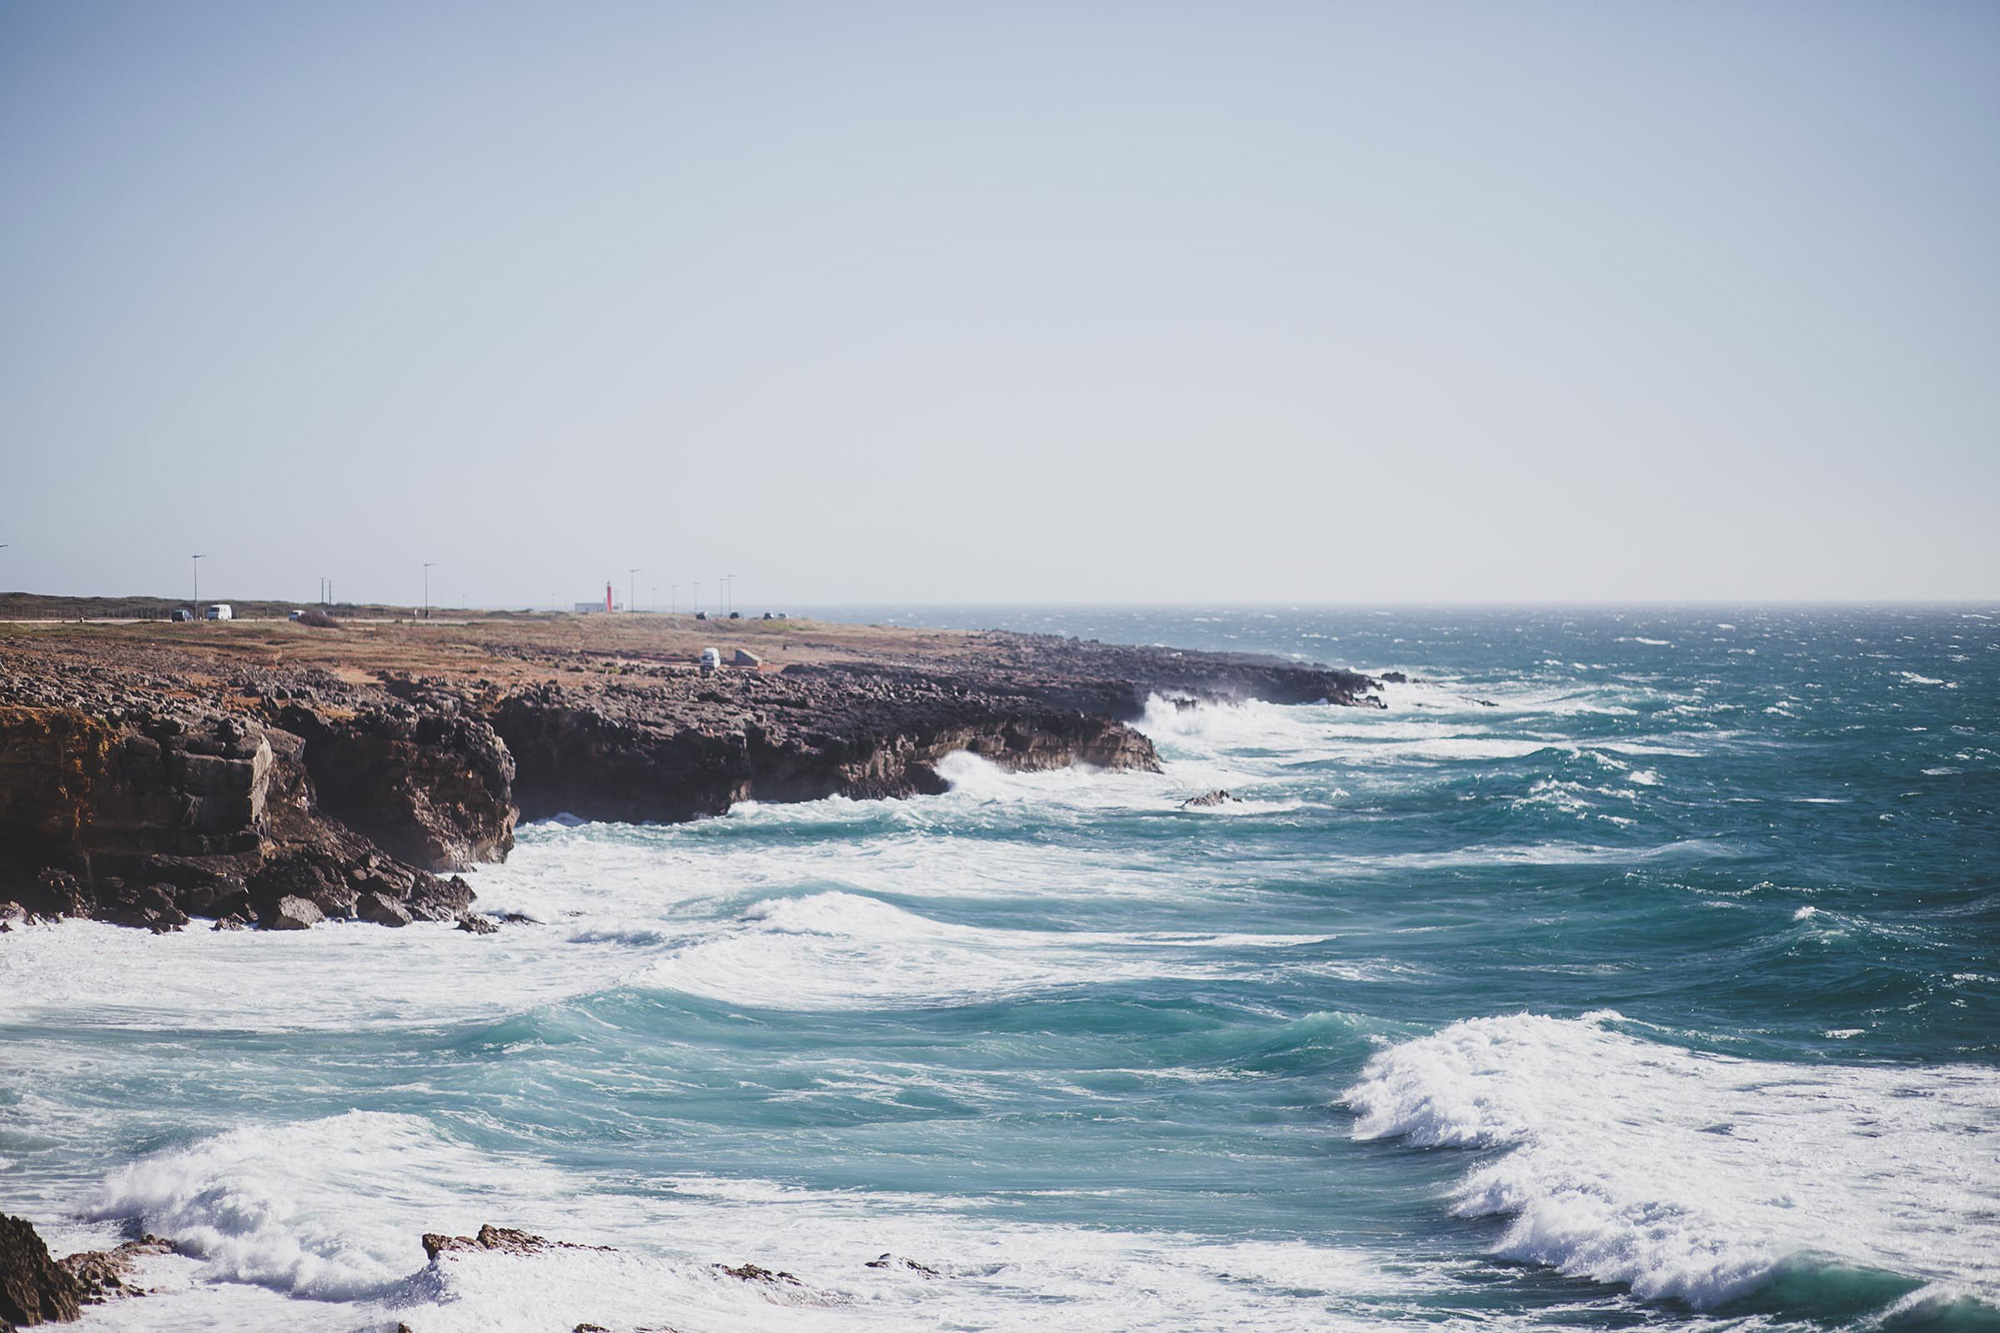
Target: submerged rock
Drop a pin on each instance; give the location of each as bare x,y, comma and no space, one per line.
1208,800
894,1261
758,1273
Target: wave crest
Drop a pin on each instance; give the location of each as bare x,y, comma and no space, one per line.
1695,1176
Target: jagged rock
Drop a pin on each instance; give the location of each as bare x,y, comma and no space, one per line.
152,907
757,1273
1208,800
506,1240
127,796
291,913
105,1275
382,911
478,925
34,1288
892,1261
425,782
436,899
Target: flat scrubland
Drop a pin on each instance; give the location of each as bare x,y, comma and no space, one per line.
507,650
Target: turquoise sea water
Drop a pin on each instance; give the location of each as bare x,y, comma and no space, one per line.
1632,968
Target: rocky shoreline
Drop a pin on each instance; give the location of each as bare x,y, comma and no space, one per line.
36,1288
149,782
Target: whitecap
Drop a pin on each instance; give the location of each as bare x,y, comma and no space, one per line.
1695,1176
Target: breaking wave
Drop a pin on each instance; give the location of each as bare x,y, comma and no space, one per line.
1695,1176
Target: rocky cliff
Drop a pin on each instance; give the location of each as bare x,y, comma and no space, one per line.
151,790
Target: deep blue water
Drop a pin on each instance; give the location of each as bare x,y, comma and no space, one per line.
1632,968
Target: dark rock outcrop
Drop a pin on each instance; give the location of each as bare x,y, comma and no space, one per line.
285,796
909,1265
291,913
757,1273
426,781
1209,800
34,1288
505,1240
106,1275
648,753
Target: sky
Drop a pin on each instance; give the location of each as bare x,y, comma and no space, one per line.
983,302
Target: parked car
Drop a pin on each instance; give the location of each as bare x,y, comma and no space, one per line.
296,615
220,611
182,615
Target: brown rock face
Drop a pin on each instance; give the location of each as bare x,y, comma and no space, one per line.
291,913
106,1275
506,1240
427,783
34,1289
74,785
291,796
668,754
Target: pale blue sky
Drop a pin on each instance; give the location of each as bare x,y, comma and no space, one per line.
1326,302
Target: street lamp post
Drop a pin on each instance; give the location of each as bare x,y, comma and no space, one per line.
632,588
697,597
673,598
427,588
197,584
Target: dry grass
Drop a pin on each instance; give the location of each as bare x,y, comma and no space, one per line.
511,650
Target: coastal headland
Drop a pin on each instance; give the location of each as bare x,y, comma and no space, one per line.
279,774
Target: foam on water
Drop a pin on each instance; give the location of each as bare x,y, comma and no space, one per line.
331,1210
841,950
718,1029
1689,1175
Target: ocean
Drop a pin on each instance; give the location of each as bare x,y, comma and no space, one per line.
1632,968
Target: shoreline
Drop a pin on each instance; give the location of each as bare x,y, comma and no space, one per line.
280,775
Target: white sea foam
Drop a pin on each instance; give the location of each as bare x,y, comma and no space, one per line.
1696,1176
839,950
271,1205
285,1220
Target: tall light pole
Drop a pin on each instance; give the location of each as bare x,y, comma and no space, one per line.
732,594
697,597
197,583
427,588
673,598
653,602
632,589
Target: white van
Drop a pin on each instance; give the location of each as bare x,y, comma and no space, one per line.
219,611
710,661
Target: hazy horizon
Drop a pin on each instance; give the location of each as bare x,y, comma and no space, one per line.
1432,304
